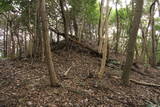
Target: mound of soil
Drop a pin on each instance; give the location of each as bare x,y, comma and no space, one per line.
26,84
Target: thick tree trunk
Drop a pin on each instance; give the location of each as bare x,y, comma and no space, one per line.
52,73
132,41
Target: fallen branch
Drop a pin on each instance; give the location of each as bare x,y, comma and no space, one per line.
140,83
145,83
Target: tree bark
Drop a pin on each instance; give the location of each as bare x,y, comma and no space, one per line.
12,54
153,54
4,42
104,46
75,25
118,29
61,2
19,44
100,28
6,47
132,41
51,69
25,43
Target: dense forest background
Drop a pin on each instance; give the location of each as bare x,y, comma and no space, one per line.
97,35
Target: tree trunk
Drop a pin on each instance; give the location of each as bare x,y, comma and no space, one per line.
19,45
4,43
75,25
64,22
6,47
142,56
153,54
104,46
118,29
25,43
132,41
81,30
52,73
12,54
100,28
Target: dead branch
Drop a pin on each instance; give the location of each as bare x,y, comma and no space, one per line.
140,83
145,83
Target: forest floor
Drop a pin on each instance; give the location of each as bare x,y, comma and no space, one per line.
24,83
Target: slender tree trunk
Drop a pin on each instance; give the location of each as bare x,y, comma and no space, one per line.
132,41
142,56
104,46
52,73
58,36
81,30
25,43
4,42
43,50
64,22
137,54
118,29
153,54
19,45
12,55
6,47
100,28
75,25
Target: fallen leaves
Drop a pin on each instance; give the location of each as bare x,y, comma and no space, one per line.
24,84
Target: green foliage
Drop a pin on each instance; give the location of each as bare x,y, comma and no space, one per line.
6,5
157,24
88,9
150,104
123,14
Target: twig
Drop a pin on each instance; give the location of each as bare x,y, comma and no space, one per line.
66,73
